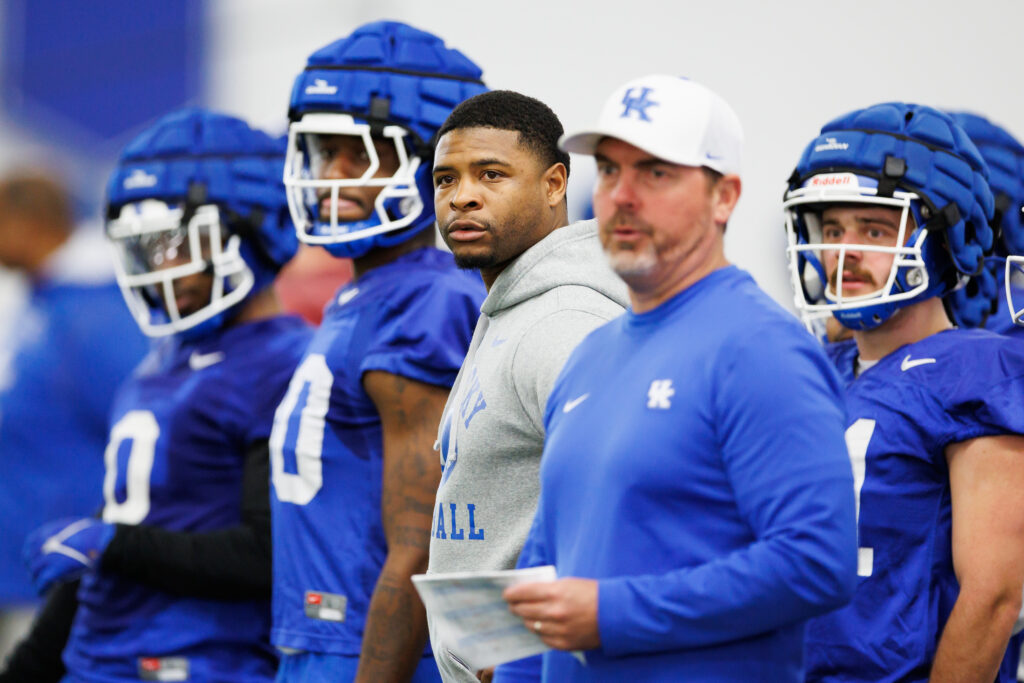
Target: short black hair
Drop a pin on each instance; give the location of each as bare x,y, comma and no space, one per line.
538,126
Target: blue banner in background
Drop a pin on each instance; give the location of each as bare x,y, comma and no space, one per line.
89,74
85,77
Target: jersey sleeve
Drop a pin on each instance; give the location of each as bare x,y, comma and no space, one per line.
424,332
985,398
541,354
780,431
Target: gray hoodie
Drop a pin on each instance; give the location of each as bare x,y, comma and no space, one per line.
492,430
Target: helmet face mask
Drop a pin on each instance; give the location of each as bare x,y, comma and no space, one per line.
1014,273
390,86
909,158
163,253
816,293
197,218
397,205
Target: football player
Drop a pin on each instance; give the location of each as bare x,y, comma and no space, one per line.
175,576
888,210
1002,282
354,473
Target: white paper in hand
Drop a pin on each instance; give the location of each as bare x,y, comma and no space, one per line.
473,619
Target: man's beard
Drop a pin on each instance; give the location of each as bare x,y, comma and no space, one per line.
475,261
630,262
633,262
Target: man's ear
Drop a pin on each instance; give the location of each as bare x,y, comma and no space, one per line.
724,197
555,181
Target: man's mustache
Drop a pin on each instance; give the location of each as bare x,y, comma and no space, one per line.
851,271
623,219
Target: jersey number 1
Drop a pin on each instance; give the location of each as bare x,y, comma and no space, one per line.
858,436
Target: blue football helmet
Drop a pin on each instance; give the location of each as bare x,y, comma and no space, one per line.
389,83
1005,158
902,156
197,193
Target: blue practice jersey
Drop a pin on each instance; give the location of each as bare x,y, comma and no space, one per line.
62,361
902,413
695,466
413,317
181,426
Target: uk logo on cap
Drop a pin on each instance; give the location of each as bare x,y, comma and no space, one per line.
637,103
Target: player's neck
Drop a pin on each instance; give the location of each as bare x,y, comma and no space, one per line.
906,326
375,258
259,306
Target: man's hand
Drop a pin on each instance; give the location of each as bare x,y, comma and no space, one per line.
563,612
65,549
485,675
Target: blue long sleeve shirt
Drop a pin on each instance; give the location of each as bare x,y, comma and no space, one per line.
695,465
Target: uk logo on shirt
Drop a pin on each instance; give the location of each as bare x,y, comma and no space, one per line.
659,394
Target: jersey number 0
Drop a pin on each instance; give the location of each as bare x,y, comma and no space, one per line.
314,379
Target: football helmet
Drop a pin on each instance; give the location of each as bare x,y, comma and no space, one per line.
907,157
197,193
387,82
1005,158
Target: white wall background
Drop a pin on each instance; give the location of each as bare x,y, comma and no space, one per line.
786,67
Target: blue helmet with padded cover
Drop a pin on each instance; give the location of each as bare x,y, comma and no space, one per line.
197,193
1004,155
907,157
390,84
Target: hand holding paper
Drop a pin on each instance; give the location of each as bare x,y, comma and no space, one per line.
563,612
474,619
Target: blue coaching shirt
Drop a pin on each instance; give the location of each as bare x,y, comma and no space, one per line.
181,427
695,466
413,317
69,350
903,412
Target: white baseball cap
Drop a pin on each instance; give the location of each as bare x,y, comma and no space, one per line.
673,118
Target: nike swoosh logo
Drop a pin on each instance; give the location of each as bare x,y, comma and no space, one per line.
569,405
347,296
499,342
198,361
907,363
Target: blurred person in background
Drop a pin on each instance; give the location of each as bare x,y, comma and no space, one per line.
309,281
63,352
986,300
